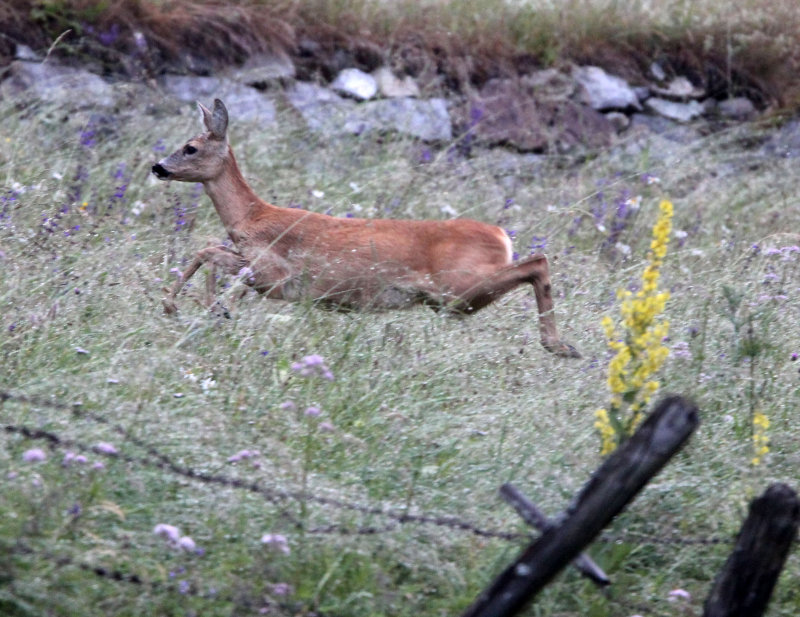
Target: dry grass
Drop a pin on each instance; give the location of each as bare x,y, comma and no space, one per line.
750,48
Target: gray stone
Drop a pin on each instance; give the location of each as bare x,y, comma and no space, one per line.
642,93
326,112
262,70
355,83
323,110
737,108
668,129
243,102
657,72
52,83
391,86
426,119
604,92
549,85
248,104
188,88
785,142
681,112
618,120
510,112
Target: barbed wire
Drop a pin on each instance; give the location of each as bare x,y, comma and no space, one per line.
163,462
185,587
154,458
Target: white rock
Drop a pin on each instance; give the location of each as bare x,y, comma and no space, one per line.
604,92
679,88
264,68
355,83
392,86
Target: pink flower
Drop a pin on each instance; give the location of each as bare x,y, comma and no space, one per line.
313,412
34,455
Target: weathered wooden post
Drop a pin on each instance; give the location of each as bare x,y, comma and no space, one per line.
609,490
744,585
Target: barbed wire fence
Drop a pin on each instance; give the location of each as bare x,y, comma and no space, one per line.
395,517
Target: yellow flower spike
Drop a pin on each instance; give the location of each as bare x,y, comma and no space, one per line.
760,438
637,340
607,432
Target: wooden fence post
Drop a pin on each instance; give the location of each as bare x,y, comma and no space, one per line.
608,491
744,585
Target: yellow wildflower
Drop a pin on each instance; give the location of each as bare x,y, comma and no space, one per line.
760,439
637,341
607,433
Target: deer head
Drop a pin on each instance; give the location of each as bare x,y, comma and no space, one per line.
202,157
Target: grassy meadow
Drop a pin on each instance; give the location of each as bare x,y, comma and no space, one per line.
209,425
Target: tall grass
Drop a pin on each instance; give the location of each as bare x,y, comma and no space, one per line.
425,415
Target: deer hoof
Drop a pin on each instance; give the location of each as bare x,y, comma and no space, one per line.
562,349
170,308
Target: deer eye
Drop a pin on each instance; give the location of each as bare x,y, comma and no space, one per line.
187,149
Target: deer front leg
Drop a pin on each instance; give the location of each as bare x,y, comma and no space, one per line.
228,260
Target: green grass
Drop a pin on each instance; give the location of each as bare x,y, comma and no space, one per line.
430,414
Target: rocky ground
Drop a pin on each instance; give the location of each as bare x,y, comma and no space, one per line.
574,110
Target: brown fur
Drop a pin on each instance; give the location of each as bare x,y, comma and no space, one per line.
458,265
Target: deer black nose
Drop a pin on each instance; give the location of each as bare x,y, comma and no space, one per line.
158,170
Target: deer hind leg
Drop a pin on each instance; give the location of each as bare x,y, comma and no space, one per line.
533,270
218,257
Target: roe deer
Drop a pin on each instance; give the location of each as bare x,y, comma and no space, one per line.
457,265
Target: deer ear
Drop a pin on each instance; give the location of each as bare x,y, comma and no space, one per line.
205,115
216,122
219,120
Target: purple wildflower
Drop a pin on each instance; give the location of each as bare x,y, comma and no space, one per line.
104,447
280,589
326,427
168,532
312,366
277,542
243,455
34,455
187,544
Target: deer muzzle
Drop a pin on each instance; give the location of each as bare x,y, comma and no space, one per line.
160,172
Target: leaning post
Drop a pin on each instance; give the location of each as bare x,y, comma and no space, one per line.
615,483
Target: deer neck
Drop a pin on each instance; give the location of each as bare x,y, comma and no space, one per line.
233,198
